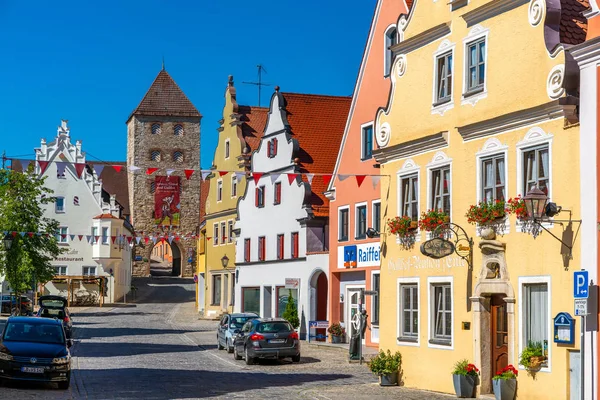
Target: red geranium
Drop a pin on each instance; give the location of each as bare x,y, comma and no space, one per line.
508,372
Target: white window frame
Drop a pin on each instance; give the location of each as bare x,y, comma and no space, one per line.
64,207
230,231
362,141
400,282
216,240
439,160
223,229
373,273
388,57
61,266
527,280
408,168
88,266
219,190
227,149
445,47
105,238
356,206
431,281
492,147
59,236
534,137
339,224
233,185
475,34
373,203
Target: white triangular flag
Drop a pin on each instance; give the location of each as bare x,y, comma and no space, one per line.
239,175
170,171
25,164
154,240
170,239
205,173
274,177
375,180
310,177
60,168
343,177
133,168
98,168
138,239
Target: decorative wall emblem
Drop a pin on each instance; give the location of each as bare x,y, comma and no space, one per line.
554,85
401,64
537,11
383,135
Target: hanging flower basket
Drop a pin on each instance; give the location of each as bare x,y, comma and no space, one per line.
405,229
431,219
488,215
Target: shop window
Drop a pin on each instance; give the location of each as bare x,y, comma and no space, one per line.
283,296
216,290
251,300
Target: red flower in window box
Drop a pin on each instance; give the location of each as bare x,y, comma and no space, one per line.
431,219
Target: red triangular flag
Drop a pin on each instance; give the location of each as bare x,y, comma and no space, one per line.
146,238
162,239
43,165
117,167
188,173
208,237
326,179
256,176
80,238
79,167
150,171
16,233
360,179
129,238
177,238
221,173
113,239
96,237
292,177
30,234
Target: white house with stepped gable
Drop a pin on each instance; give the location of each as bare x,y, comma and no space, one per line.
92,227
282,226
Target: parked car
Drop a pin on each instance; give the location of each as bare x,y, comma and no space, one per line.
266,338
9,303
230,325
56,307
35,349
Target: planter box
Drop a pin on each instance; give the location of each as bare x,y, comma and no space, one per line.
464,385
388,379
504,389
337,339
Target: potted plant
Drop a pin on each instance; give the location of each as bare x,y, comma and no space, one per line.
405,228
431,219
465,379
387,366
486,212
337,332
517,206
532,356
504,383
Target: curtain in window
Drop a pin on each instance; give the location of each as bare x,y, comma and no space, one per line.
536,315
543,171
481,63
489,178
500,180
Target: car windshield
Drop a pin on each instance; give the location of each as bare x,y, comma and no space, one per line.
53,303
273,327
36,333
238,322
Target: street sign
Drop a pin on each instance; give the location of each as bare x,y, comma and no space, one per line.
581,307
292,283
580,285
370,292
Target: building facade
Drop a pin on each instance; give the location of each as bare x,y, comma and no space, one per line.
355,208
239,135
163,134
92,226
283,218
464,124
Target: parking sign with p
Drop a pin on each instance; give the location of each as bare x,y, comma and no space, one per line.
580,285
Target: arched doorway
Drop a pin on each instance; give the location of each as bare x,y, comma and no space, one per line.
318,301
165,259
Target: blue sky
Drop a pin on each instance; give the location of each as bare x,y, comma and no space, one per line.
92,62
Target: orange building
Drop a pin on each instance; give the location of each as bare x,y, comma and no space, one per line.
354,260
162,252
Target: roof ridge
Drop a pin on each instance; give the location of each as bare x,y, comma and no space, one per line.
315,95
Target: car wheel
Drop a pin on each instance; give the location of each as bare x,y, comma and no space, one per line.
236,356
64,385
229,346
219,347
249,360
296,359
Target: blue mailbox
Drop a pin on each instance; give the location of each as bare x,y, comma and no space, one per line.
564,328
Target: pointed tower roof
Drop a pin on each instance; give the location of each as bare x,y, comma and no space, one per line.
165,98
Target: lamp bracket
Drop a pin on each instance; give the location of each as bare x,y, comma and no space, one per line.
463,244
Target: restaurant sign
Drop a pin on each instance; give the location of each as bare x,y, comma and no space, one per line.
437,248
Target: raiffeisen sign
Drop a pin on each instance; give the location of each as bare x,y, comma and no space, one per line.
359,255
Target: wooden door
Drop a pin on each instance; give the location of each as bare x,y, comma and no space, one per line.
499,333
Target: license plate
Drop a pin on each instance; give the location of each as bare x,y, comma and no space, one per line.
33,370
277,341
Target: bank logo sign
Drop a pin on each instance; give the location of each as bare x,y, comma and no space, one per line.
359,255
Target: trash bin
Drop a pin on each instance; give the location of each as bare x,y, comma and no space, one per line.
353,349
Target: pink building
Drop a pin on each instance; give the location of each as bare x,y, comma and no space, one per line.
354,260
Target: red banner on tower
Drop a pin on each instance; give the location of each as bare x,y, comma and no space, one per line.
166,201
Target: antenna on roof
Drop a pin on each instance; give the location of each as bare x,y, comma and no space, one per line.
259,83
163,62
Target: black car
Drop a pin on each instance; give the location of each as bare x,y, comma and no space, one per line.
266,338
230,325
56,307
35,349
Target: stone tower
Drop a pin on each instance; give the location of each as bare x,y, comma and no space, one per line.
164,132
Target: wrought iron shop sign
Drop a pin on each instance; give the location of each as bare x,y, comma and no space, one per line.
437,248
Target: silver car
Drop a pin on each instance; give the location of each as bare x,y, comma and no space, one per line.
229,326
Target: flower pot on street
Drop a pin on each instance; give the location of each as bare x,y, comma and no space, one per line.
504,389
388,379
337,339
464,385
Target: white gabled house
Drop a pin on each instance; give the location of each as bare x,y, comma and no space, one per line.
282,227
93,228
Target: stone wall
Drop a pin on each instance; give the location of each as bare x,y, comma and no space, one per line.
140,143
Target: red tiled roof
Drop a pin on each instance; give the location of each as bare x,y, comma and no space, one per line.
573,25
253,128
165,98
204,188
318,123
105,216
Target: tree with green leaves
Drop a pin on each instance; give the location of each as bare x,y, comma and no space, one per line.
28,259
291,312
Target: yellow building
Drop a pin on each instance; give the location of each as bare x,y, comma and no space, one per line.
483,107
239,134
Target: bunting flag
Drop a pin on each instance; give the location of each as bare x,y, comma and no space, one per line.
138,239
79,168
98,168
327,179
60,167
25,164
342,178
129,238
292,177
239,175
360,179
170,171
22,234
208,237
150,171
96,238
170,239
30,234
375,180
134,169
80,237
43,165
89,238
309,178
146,239
113,238
221,173
117,167
154,240
256,176
274,177
188,173
72,237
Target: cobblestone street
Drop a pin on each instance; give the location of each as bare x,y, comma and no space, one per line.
158,349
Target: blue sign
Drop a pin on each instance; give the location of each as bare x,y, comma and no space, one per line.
350,256
138,258
580,285
564,328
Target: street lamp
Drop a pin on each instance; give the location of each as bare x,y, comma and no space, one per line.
8,241
535,202
225,261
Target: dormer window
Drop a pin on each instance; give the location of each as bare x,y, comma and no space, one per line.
367,142
178,130
391,39
272,148
260,196
156,128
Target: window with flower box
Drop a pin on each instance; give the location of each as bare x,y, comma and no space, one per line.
536,168
440,189
493,181
409,196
